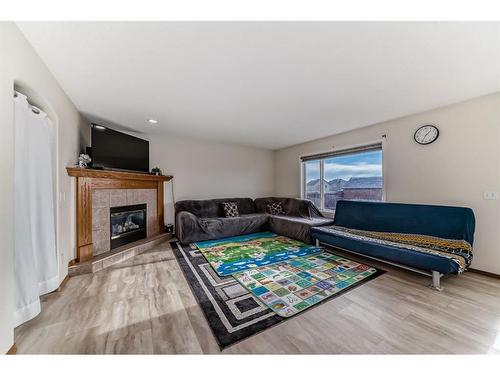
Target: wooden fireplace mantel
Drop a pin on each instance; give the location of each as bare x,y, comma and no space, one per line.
91,179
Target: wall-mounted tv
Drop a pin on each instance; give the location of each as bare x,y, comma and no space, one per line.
115,150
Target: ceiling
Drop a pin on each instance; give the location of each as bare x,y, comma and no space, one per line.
265,84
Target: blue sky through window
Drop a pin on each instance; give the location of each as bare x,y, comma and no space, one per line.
365,164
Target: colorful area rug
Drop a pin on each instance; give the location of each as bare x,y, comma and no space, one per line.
237,254
292,286
232,312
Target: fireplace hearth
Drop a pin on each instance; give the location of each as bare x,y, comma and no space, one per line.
128,224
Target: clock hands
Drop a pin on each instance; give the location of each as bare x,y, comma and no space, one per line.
425,136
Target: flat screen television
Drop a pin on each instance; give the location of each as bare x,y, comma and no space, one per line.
115,150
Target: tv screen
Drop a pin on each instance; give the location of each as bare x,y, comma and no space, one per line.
115,150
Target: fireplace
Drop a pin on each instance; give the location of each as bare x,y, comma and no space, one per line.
128,224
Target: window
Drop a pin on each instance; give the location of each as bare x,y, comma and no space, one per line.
312,190
354,174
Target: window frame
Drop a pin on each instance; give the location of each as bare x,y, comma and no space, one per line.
329,154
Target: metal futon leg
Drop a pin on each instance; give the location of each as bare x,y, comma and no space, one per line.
436,280
436,276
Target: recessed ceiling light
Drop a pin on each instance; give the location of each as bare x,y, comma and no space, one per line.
99,127
151,121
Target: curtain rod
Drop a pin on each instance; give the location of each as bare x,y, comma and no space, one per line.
352,150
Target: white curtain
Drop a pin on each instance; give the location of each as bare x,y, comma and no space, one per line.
34,216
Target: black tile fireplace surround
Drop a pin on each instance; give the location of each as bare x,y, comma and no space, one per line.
128,224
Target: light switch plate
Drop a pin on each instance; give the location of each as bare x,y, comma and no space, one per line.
490,195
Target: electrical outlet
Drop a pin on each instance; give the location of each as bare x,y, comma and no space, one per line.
490,195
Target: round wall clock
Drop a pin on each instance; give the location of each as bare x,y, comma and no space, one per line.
426,134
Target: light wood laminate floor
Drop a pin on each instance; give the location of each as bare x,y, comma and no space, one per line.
145,305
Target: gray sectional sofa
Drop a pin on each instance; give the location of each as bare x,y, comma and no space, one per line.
199,220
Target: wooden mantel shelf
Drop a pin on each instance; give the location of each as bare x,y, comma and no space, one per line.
102,173
91,179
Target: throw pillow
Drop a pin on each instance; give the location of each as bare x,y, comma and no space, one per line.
230,209
275,208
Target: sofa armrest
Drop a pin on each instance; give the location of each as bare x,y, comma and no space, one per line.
185,222
310,209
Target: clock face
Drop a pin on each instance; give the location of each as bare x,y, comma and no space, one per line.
426,134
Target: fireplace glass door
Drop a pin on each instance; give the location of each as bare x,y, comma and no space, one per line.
128,224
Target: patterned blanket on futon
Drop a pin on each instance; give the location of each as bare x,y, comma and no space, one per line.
459,251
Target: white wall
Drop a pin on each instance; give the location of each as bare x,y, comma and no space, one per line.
211,170
21,65
455,170
6,199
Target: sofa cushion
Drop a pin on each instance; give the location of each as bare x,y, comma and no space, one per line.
199,229
296,227
230,209
275,208
422,261
455,223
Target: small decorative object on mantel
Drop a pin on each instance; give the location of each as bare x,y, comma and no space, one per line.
83,161
156,171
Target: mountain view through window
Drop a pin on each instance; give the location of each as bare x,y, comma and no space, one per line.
356,176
